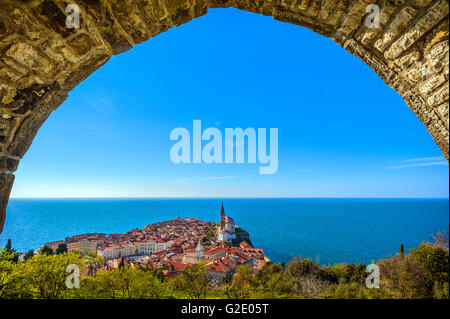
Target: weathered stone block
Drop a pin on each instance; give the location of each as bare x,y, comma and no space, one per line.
128,15
353,19
327,9
180,11
59,52
28,56
82,44
27,130
386,12
5,126
156,16
5,29
431,18
397,26
8,164
8,74
431,84
439,96
82,70
7,94
6,182
19,21
109,29
422,3
443,112
54,18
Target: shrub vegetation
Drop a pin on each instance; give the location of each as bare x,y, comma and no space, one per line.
423,272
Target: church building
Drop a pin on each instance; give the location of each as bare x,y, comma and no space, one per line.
226,227
192,256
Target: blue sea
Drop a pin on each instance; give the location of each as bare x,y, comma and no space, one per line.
325,230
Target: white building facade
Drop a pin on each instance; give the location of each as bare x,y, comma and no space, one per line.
227,227
117,251
152,246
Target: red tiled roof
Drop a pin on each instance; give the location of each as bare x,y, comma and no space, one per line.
221,265
159,253
213,251
244,244
178,266
55,242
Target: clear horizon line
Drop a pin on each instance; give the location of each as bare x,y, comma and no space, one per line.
230,197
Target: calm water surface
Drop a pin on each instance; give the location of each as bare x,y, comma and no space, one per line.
328,230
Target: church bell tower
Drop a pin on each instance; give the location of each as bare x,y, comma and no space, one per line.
222,218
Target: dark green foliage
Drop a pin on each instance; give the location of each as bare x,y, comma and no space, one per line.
405,278
239,230
301,267
347,273
122,263
28,255
8,245
423,273
9,254
210,235
46,250
195,281
433,259
62,248
328,275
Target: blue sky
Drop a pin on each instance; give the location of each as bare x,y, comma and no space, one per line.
342,132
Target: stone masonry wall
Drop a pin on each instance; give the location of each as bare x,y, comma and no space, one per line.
41,59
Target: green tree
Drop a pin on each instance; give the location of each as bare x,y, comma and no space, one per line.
347,273
173,284
9,255
405,278
28,255
270,275
9,277
155,288
440,290
45,275
46,250
136,283
239,285
327,274
8,245
299,267
104,285
130,281
195,281
94,262
62,248
122,263
434,259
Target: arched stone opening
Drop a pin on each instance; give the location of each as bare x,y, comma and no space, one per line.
42,60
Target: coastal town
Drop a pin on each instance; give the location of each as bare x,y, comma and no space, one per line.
172,245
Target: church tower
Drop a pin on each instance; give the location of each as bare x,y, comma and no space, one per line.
222,218
199,252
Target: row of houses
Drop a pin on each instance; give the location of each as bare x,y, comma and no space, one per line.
220,261
139,248
81,245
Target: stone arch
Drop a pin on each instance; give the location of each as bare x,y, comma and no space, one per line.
42,60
